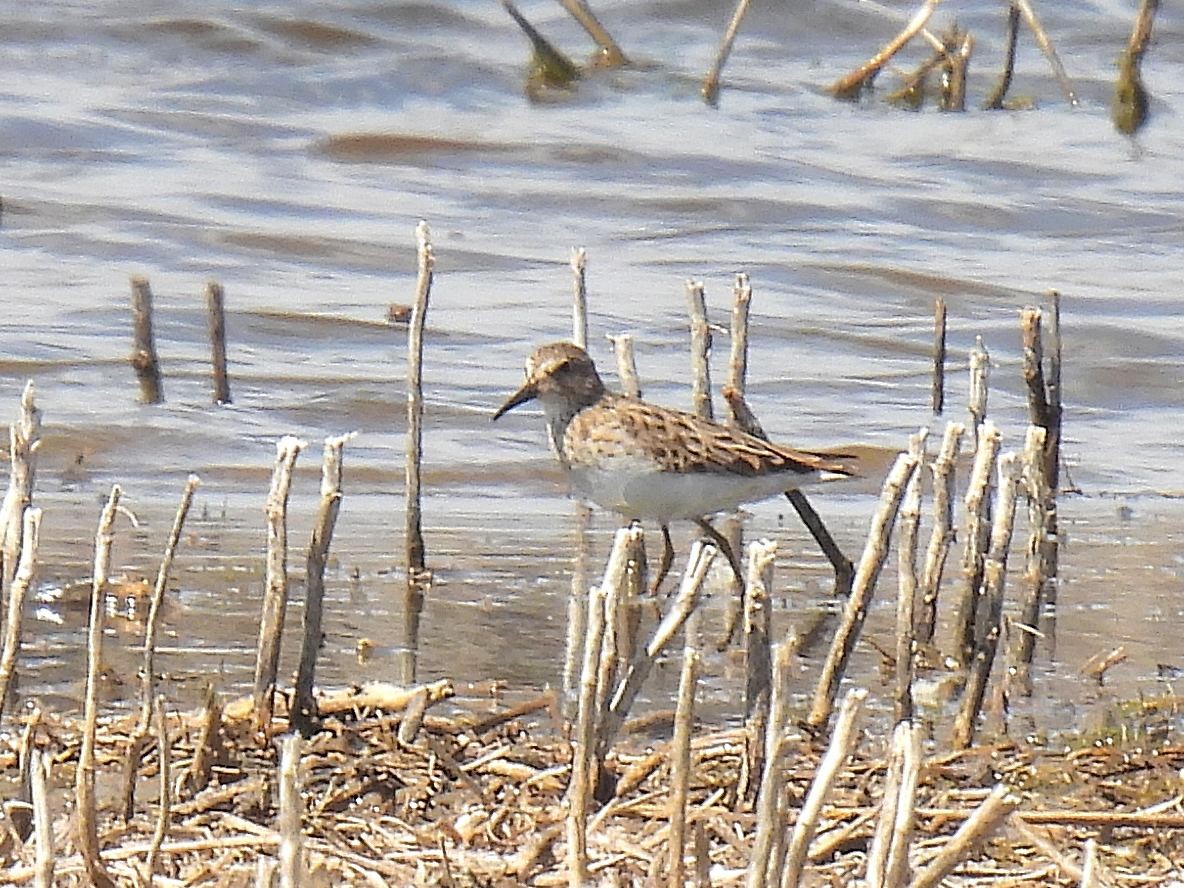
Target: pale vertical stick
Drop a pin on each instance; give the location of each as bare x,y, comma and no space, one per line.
292,873
910,520
842,742
710,88
143,357
875,553
579,297
583,758
216,315
700,350
614,656
304,707
21,583
977,532
88,836
738,357
1035,574
937,395
24,442
942,535
1044,410
577,608
413,530
165,814
680,764
980,373
758,668
42,824
987,629
887,859
764,867
626,364
275,593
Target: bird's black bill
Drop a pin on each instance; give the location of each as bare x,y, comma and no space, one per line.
528,392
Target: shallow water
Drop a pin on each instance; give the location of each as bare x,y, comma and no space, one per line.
288,151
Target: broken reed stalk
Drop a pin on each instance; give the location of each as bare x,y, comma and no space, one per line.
583,757
579,296
680,764
208,745
988,623
710,88
292,872
700,350
24,438
887,859
875,553
610,54
842,743
986,818
216,315
956,64
851,85
165,815
1045,411
1046,47
937,397
88,836
942,534
620,583
577,607
977,536
1131,100
413,529
304,707
994,102
980,375
758,668
143,357
768,848
1036,570
626,364
275,594
17,591
42,821
906,642
738,354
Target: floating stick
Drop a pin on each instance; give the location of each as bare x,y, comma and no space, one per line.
24,438
710,88
143,357
910,519
292,873
999,93
88,837
579,296
1131,100
850,86
216,314
626,364
942,534
938,391
978,534
1048,49
680,764
17,591
413,533
304,707
700,350
610,54
275,594
989,623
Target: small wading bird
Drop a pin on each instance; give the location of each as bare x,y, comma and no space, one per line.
651,462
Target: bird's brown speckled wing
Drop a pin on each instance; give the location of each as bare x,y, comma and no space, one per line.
683,442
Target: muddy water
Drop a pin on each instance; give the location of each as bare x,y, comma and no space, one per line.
289,149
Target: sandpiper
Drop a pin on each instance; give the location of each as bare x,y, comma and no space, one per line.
650,462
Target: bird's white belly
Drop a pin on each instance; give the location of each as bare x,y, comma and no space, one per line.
638,491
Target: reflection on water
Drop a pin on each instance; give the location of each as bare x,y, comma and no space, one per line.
288,152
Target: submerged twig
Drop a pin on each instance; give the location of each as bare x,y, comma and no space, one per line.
710,88
1050,53
854,83
1131,99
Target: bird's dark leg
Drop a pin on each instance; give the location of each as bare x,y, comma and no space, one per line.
724,546
844,569
667,559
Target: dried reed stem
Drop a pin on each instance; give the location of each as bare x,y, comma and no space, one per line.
579,297
1131,100
1044,410
875,553
583,757
942,534
275,594
710,88
42,820
842,742
978,533
208,745
610,54
165,814
21,583
413,530
143,357
937,395
906,642
577,606
1048,49
620,583
1036,576
88,836
757,631
680,765
24,441
292,872
977,828
768,847
700,350
304,707
989,623
626,364
216,315
852,84
980,375
995,101
957,62
738,355
887,860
